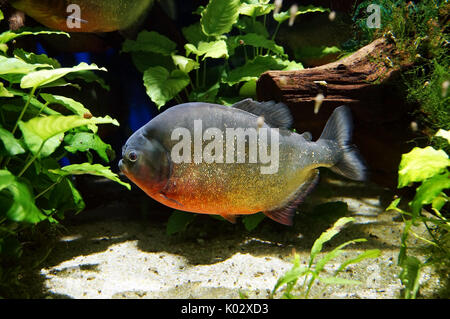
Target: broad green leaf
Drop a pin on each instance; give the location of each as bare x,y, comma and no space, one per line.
194,34
247,25
11,35
205,96
43,77
393,205
21,207
48,132
252,221
35,105
255,9
84,141
13,69
4,92
253,69
429,190
328,235
248,89
91,169
145,60
163,86
254,40
420,164
293,66
150,41
11,145
283,16
215,49
66,197
33,58
186,65
444,134
219,16
70,104
88,77
1,15
178,221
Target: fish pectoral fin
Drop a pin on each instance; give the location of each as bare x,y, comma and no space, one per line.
170,199
285,214
229,217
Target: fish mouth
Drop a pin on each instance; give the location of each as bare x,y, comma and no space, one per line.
122,167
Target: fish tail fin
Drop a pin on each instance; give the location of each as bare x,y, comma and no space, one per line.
339,128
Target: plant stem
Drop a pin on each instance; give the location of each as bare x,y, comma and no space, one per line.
32,160
197,81
276,31
30,96
204,73
49,188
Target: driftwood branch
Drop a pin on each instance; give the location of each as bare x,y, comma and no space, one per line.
366,81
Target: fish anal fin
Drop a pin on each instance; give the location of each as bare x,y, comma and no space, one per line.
275,114
285,215
229,217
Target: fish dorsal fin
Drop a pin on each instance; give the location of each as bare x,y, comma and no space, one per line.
284,215
275,114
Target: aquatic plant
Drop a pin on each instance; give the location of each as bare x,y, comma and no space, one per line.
429,168
419,30
227,50
315,270
37,130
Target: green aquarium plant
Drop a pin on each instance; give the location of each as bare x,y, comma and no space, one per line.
314,271
38,129
227,50
427,170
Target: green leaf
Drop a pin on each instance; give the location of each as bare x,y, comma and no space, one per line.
253,69
338,281
65,197
420,164
43,77
85,141
186,65
4,92
150,42
252,221
70,104
12,146
410,275
163,86
283,16
178,221
194,34
48,132
33,58
13,69
429,190
22,207
254,40
292,275
444,134
219,16
205,96
334,253
255,9
371,253
215,49
248,89
11,35
90,169
248,25
328,235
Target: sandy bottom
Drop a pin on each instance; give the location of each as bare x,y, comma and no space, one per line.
121,250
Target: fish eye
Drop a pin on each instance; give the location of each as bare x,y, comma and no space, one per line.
132,156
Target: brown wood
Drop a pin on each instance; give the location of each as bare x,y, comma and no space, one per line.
366,81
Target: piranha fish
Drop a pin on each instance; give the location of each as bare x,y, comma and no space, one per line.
85,15
202,158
